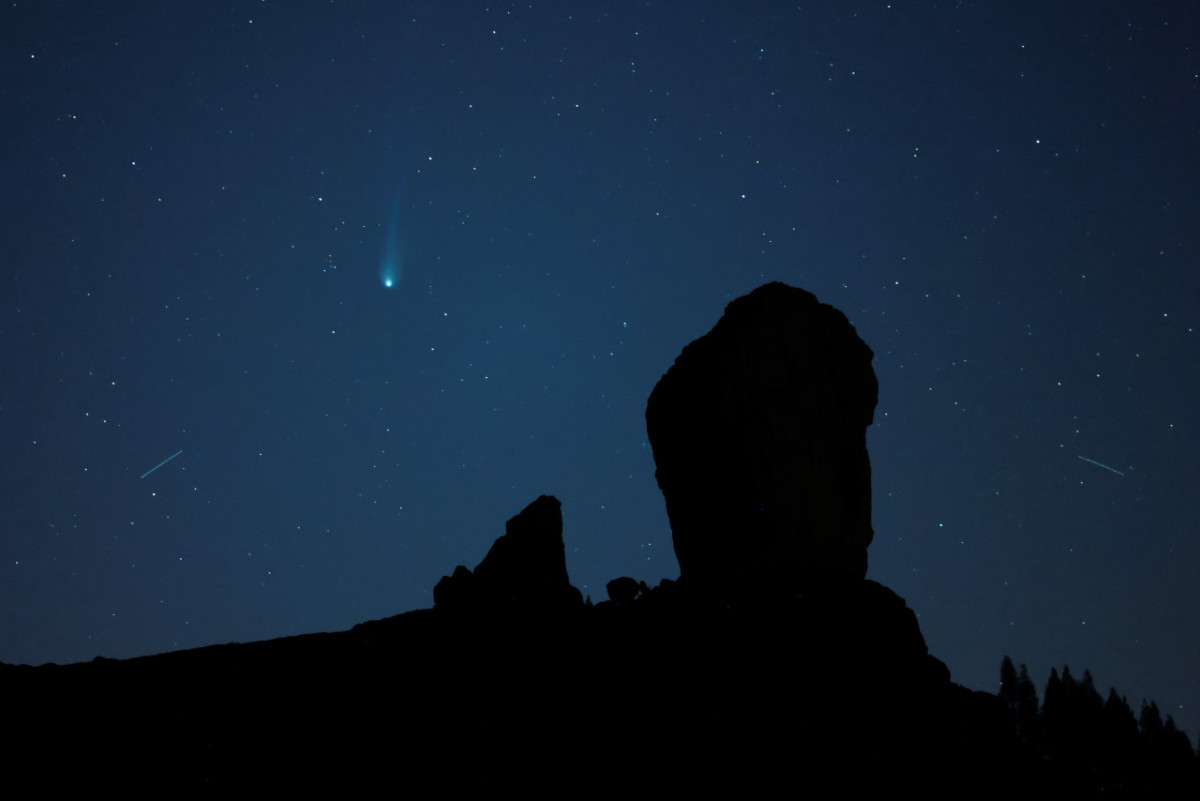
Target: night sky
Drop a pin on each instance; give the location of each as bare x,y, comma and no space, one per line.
385,272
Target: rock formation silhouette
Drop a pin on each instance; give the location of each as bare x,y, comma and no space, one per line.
772,665
526,566
759,437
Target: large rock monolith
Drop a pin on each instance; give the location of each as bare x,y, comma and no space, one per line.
759,436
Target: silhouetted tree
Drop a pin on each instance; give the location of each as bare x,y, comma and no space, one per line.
1020,697
1175,742
1069,726
1090,701
1165,755
1050,717
1086,711
1008,689
1027,706
1117,745
1068,684
1119,725
1150,721
1008,681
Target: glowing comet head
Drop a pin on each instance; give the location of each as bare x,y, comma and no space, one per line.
391,266
391,263
389,272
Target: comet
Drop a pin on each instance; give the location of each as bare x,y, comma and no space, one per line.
391,265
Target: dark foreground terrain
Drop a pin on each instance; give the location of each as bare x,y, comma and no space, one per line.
654,693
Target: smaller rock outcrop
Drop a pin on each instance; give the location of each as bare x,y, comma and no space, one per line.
625,590
526,566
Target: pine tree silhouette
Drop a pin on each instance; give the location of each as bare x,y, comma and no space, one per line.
1079,743
1008,690
1027,706
1020,697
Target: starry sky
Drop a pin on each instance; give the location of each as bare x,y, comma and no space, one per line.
378,274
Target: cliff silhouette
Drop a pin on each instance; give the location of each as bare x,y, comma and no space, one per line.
771,664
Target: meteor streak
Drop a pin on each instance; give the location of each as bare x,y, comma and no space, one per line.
176,453
1100,464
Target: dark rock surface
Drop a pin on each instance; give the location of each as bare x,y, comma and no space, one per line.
759,436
